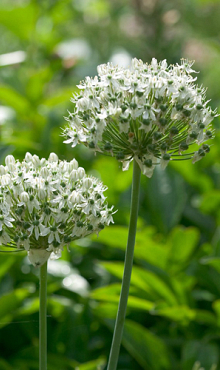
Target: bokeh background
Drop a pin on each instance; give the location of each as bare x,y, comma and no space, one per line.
46,48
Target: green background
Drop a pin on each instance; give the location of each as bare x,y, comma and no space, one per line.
174,306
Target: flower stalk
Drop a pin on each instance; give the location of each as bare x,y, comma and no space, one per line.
43,318
119,324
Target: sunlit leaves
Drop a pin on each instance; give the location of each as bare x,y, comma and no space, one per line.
182,245
146,347
170,254
14,99
26,15
6,261
10,302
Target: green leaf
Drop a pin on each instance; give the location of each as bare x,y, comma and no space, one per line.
111,293
216,307
31,362
5,150
206,2
210,201
149,282
183,242
92,365
11,97
185,314
4,365
146,248
105,310
37,84
148,350
166,198
27,359
205,353
122,180
25,141
192,175
9,302
6,261
212,261
61,96
26,15
31,306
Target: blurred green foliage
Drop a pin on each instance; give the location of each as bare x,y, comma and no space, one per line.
173,320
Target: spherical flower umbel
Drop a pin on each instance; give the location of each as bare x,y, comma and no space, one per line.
46,204
151,113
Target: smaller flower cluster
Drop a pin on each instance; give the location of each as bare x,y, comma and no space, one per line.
151,113
46,204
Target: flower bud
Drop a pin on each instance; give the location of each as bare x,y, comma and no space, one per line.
10,162
118,112
2,170
24,197
44,172
198,155
63,166
5,179
75,197
53,157
80,172
83,104
73,175
41,194
73,165
87,183
36,160
43,161
28,157
164,161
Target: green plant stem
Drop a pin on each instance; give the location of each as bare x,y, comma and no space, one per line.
120,319
43,318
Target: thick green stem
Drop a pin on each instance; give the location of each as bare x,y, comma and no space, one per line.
119,324
43,318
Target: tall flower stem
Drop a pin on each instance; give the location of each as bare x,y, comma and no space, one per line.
43,318
119,324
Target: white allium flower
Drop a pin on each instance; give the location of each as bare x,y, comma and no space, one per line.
51,208
150,112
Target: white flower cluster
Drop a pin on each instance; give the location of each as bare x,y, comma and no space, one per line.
45,204
149,112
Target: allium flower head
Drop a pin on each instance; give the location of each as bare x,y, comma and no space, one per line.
46,204
151,113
